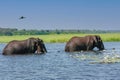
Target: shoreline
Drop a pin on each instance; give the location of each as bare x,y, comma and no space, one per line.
60,38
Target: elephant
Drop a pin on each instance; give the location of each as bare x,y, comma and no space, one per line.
28,46
84,43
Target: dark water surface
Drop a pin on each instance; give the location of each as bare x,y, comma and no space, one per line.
58,65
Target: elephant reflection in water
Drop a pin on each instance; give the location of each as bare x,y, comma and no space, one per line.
84,43
28,46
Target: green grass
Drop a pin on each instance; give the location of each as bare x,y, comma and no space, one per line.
60,38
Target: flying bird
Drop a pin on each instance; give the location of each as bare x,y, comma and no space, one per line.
22,17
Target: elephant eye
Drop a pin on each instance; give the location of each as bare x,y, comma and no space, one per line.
41,40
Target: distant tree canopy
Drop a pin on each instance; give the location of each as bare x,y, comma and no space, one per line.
11,31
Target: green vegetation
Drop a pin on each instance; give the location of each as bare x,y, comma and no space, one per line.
11,32
59,37
52,36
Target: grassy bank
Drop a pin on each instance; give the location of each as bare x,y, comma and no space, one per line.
60,38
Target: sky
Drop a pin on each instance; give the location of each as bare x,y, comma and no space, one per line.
60,14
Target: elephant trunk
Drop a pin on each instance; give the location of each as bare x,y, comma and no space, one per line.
101,47
41,49
44,48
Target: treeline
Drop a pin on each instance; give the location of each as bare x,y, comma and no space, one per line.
12,31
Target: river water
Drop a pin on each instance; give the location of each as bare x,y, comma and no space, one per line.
59,65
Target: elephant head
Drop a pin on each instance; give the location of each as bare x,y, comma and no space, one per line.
98,42
40,46
37,45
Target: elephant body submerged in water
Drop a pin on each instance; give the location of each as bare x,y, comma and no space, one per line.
84,43
30,45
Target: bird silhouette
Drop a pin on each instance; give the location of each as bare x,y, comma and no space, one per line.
22,17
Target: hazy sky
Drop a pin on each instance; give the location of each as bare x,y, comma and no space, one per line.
60,14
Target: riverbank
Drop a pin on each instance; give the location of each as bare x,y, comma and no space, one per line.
106,37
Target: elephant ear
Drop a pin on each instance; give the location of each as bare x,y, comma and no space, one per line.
98,39
32,42
29,44
95,38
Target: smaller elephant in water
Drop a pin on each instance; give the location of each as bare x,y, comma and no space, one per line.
28,46
84,43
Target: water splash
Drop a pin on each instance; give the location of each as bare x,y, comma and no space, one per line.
107,59
104,57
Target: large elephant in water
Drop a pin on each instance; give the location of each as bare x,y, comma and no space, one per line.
84,43
30,45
